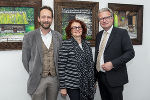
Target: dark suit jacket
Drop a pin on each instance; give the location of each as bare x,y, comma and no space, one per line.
119,51
32,56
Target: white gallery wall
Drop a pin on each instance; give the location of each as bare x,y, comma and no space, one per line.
13,77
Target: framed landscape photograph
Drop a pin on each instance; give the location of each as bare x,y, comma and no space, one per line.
84,11
17,17
129,17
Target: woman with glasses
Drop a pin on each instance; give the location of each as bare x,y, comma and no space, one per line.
75,64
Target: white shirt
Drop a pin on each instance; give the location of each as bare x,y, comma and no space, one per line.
102,57
47,38
81,46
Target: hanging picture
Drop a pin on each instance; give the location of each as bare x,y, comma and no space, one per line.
129,17
17,17
81,10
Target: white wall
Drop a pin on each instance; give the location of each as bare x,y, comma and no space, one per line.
13,77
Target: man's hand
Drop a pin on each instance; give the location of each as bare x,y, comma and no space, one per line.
107,66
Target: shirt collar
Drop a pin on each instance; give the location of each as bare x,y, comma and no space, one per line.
47,33
109,31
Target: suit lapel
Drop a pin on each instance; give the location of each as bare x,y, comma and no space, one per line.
39,43
110,38
54,39
76,45
99,38
77,49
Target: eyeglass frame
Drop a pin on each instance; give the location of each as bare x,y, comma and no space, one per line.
76,28
106,18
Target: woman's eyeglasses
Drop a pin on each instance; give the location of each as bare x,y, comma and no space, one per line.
76,28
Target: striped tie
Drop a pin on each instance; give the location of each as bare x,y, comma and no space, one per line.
101,49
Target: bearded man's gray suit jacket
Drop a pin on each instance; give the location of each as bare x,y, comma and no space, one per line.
32,56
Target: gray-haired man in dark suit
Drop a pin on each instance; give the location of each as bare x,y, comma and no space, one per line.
39,57
112,51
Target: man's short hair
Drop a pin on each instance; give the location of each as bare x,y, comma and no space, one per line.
106,9
45,7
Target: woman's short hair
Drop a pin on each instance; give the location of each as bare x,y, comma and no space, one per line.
83,25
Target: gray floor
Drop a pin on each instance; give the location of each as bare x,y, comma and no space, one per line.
97,96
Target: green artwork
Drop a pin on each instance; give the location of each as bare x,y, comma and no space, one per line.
126,20
15,22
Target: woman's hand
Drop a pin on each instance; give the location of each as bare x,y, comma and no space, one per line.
63,92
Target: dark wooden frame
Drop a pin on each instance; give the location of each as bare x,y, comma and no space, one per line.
36,4
77,4
134,8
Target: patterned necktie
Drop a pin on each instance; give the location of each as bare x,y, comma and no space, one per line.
101,49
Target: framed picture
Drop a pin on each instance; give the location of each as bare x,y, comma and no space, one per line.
17,17
129,17
81,10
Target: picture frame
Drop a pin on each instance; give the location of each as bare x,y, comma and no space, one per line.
81,10
129,17
17,18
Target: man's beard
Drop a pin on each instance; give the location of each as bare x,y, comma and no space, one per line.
45,27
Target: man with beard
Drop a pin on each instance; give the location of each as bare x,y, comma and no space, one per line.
39,57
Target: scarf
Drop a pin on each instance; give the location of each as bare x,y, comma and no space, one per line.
85,70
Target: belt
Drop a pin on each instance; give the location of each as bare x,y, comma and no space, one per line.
103,73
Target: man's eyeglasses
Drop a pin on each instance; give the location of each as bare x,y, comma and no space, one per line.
106,18
76,28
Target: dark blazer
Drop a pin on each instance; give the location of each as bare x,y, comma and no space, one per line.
71,57
76,68
119,51
32,56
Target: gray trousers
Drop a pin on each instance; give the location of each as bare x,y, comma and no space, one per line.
48,88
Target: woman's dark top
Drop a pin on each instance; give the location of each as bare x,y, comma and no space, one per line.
76,68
